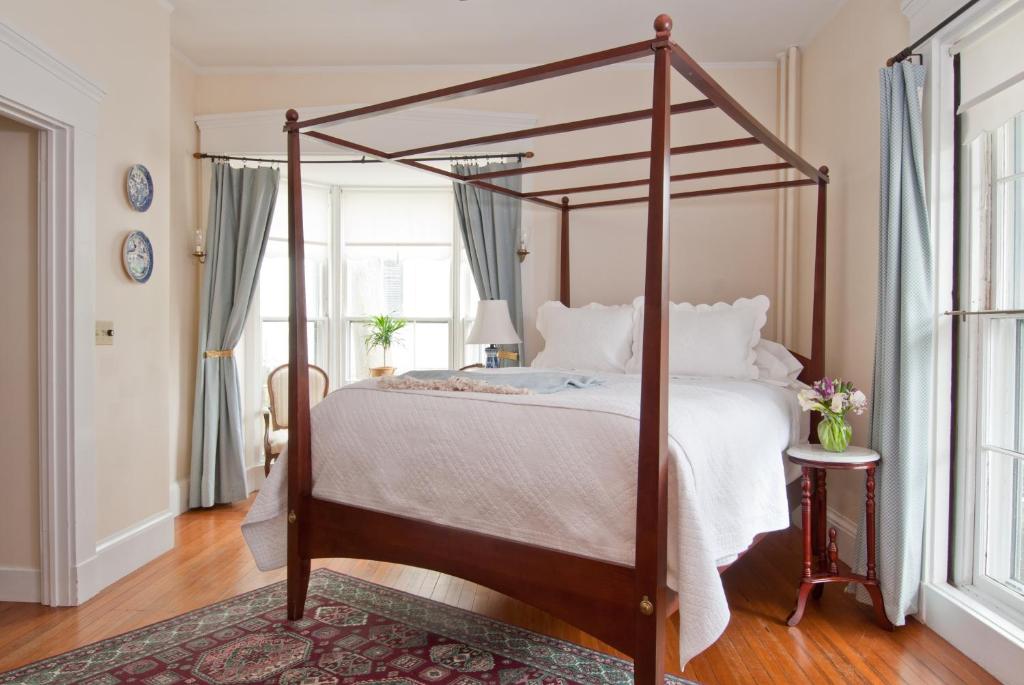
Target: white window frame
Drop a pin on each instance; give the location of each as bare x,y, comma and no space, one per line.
337,322
323,323
969,625
984,472
456,337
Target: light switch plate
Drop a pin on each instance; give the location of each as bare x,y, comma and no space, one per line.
104,332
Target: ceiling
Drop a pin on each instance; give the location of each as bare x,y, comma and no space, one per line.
331,33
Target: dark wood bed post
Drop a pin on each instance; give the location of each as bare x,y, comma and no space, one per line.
563,255
818,307
652,477
815,368
300,477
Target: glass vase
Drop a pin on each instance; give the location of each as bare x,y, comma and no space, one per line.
834,433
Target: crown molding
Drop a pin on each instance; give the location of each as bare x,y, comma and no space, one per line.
31,49
184,59
924,14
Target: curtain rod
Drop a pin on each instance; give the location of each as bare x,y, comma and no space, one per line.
909,50
518,156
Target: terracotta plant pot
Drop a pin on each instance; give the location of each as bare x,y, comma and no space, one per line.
378,371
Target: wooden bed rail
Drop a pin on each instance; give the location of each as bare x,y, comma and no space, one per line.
730,171
552,129
543,72
625,605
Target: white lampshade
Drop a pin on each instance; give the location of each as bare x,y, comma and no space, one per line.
492,326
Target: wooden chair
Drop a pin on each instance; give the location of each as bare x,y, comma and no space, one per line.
275,417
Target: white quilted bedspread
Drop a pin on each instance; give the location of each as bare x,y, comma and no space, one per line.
558,470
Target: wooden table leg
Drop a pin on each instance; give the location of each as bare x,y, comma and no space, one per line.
872,576
805,512
821,533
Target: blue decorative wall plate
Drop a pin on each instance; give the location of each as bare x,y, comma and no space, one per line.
137,256
140,187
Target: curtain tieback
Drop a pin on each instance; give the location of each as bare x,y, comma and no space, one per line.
218,354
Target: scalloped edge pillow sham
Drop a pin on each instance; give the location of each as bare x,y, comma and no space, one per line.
591,338
716,340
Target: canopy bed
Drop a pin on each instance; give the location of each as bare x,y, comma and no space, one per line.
624,603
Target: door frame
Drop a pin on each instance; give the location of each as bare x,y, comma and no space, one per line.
40,90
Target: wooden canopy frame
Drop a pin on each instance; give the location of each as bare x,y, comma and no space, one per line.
624,605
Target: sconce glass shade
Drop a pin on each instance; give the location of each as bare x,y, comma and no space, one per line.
493,325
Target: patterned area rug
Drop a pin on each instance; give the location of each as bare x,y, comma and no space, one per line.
353,633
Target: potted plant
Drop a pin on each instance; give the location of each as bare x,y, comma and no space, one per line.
383,334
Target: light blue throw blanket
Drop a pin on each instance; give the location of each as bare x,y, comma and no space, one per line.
540,382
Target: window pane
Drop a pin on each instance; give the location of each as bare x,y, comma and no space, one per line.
397,216
469,298
1008,244
274,335
1005,381
422,345
1004,557
1017,524
274,289
316,213
406,281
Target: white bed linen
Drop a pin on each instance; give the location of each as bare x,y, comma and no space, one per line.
558,470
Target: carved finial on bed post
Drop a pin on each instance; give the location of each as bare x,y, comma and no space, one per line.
663,27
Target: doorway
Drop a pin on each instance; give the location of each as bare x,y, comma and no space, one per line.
19,368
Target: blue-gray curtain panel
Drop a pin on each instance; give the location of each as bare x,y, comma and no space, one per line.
903,378
491,229
241,207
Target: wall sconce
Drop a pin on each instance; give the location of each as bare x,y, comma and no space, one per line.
199,247
522,252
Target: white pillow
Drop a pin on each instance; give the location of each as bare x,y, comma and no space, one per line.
591,338
708,340
776,364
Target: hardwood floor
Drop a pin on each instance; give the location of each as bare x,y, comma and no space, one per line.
837,642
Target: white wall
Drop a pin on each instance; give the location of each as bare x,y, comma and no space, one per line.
19,419
123,45
839,118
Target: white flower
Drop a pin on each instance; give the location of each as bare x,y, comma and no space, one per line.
858,401
809,399
838,402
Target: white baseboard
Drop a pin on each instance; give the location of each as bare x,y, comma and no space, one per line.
846,532
984,636
124,552
254,478
20,584
179,496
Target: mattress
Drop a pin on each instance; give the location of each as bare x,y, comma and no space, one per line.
559,471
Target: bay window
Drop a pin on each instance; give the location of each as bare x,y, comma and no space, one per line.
370,251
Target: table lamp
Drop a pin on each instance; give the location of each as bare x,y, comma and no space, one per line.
492,327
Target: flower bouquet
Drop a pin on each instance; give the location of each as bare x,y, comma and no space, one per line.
834,399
